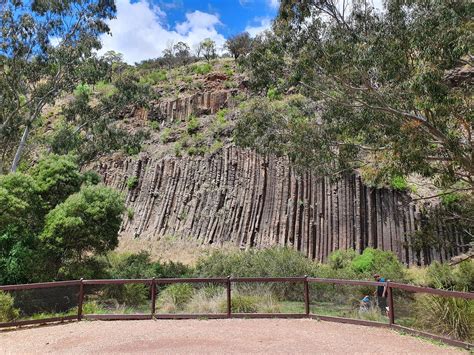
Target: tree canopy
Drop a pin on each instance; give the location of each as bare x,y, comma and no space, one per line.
51,217
44,46
389,100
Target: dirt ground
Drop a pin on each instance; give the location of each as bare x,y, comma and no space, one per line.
241,336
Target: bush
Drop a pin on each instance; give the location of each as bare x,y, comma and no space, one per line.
175,297
202,68
341,259
244,303
165,135
7,311
132,182
399,183
271,262
208,300
193,125
385,263
446,315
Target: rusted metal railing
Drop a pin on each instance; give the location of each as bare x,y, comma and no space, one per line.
227,282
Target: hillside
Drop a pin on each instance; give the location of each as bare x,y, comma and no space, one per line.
191,186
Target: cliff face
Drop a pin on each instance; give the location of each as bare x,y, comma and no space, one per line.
242,198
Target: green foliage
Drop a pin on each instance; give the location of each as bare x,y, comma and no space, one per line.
130,213
387,88
155,77
165,135
274,261
459,278
86,222
82,90
7,310
399,183
136,266
57,177
36,70
105,89
202,69
373,261
132,182
155,125
273,94
216,146
239,45
220,122
192,125
176,296
208,49
341,259
244,303
178,149
64,139
446,315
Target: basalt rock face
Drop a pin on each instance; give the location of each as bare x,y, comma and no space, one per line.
237,196
179,109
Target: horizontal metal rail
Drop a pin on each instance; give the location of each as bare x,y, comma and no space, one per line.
22,287
346,282
433,291
117,281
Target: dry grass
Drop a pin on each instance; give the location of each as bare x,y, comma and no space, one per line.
168,248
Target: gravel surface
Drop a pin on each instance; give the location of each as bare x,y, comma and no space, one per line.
214,337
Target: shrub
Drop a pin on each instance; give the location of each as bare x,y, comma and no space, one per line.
155,125
7,310
130,213
341,259
178,149
441,276
381,262
132,182
271,262
446,315
273,94
208,300
399,183
175,297
193,125
244,303
216,146
165,135
202,68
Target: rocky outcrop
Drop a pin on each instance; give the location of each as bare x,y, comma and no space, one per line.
243,198
179,109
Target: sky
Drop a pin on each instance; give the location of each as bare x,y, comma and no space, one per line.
143,28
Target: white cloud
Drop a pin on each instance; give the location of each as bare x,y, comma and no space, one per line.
263,25
274,3
140,31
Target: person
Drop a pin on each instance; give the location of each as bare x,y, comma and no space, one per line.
381,293
364,304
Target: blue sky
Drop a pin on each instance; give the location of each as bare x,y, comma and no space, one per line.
143,28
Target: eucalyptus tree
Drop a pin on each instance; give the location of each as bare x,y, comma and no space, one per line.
393,85
43,45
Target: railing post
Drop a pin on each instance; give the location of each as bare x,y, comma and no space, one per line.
391,310
153,297
80,300
229,298
306,295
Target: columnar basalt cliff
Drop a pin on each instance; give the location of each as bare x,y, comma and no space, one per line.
240,197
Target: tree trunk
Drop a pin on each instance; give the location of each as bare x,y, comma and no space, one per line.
21,147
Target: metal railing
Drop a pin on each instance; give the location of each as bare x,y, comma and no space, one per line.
228,281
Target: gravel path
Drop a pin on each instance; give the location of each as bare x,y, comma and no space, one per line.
214,337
